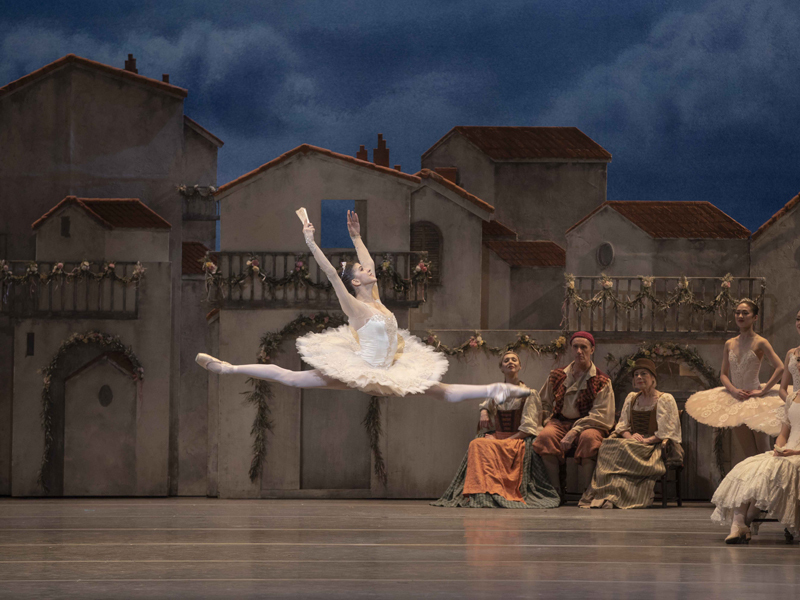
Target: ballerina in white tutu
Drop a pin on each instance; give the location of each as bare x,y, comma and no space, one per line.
753,410
370,354
768,482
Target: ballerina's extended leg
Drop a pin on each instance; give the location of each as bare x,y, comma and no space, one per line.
287,377
456,392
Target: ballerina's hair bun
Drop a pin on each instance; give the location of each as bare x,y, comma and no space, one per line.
346,275
753,306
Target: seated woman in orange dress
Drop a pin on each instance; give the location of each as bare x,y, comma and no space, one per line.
500,469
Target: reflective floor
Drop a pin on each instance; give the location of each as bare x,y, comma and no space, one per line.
206,548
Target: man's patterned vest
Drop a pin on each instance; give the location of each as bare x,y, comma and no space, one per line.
586,396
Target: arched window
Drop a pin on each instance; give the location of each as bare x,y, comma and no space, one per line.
425,236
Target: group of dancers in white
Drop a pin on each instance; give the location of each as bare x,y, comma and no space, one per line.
372,355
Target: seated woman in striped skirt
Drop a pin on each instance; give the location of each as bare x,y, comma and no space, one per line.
500,469
630,459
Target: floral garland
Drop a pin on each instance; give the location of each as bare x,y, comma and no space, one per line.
109,343
663,350
476,342
681,295
262,393
33,273
301,275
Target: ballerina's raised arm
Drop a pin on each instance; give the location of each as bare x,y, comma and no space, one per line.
353,308
364,257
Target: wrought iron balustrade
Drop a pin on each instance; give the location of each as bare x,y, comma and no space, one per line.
668,306
313,292
63,297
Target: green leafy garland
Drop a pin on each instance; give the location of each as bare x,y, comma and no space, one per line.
34,273
681,295
476,342
372,423
262,393
301,275
108,343
667,351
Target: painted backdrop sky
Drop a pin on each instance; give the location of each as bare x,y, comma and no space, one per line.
696,100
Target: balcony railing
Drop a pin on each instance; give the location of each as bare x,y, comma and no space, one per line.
679,306
255,292
69,297
199,208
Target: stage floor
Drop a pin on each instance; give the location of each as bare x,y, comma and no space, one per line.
206,548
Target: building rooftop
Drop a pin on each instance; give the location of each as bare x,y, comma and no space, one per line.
496,230
530,143
539,253
777,216
125,213
72,59
309,149
195,126
676,220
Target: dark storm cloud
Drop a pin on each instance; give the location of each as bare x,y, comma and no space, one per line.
695,100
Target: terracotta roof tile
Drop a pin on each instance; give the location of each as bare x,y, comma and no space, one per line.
203,132
306,149
73,59
530,143
496,230
428,174
192,258
125,213
540,253
450,173
676,220
777,216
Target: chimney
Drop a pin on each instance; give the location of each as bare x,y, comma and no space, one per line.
130,64
362,154
397,168
380,155
165,78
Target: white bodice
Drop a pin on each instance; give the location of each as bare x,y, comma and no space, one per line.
377,340
744,371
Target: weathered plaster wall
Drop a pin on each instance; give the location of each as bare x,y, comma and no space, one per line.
541,200
475,169
456,303
147,338
496,291
537,294
259,214
86,241
776,256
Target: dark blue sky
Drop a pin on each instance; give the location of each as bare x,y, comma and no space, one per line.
695,100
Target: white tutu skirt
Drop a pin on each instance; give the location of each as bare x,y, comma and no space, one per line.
771,482
718,408
334,352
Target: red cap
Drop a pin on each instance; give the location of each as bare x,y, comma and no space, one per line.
582,334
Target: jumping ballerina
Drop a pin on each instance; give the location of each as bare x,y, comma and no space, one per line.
370,354
753,410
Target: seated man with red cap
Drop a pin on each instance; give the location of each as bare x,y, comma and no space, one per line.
578,404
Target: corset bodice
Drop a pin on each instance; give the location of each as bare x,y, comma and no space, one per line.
744,371
377,339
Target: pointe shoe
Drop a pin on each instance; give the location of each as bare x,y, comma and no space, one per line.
209,363
502,392
741,536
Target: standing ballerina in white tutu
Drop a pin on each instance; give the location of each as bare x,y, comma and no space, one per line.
768,482
753,410
370,354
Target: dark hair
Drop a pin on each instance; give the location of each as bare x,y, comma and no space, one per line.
503,355
346,275
753,306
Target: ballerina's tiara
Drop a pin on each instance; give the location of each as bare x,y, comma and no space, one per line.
344,265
